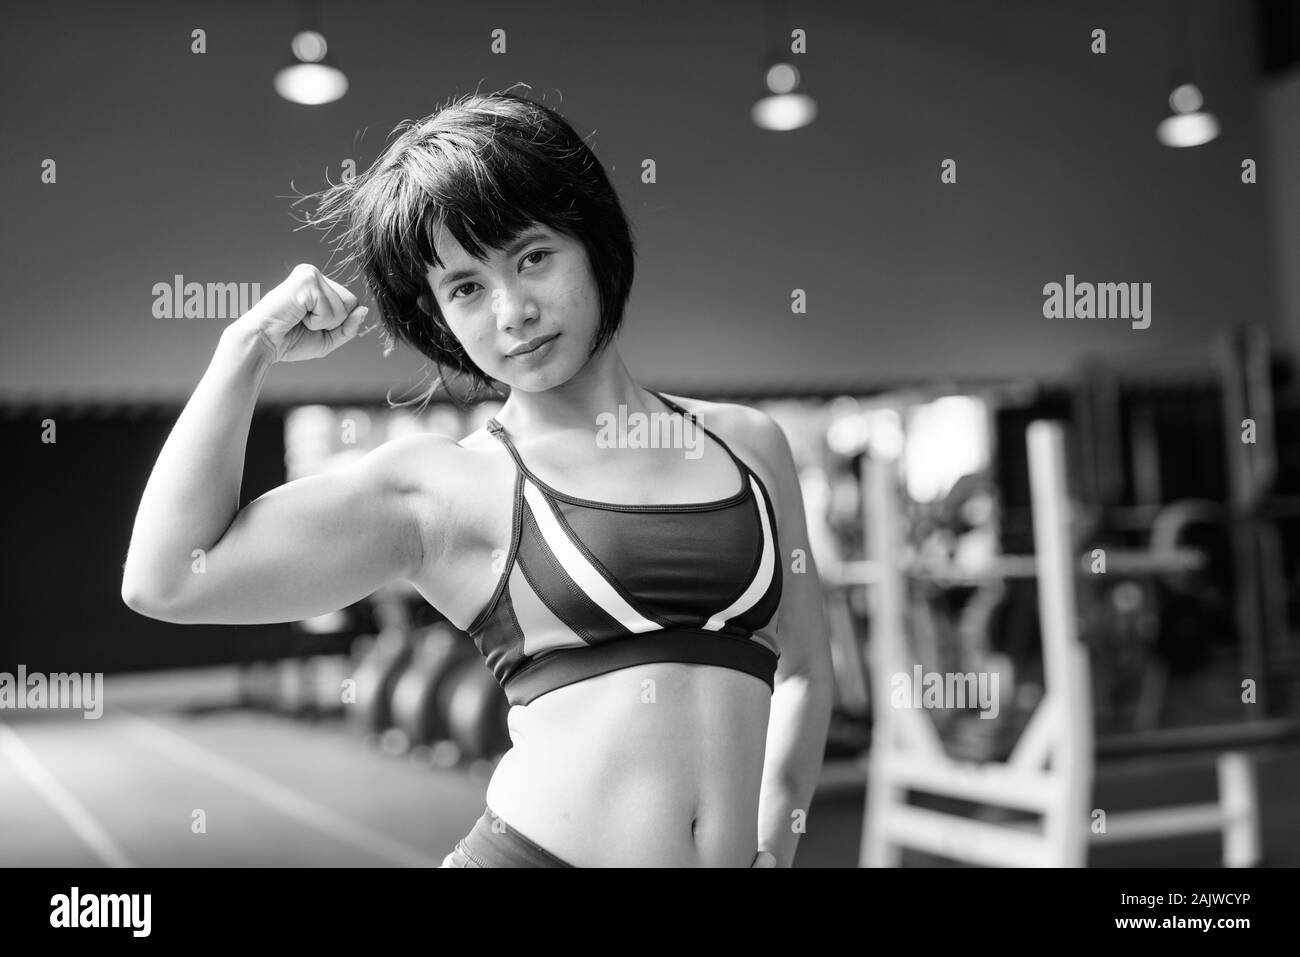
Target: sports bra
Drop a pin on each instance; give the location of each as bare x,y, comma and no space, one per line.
591,587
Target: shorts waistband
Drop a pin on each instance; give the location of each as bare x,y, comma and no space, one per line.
493,842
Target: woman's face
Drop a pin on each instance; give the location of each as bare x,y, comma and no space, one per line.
527,316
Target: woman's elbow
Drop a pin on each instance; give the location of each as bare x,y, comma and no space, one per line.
814,680
149,603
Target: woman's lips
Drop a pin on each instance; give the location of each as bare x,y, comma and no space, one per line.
537,351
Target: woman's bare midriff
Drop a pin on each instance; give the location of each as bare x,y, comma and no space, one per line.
657,765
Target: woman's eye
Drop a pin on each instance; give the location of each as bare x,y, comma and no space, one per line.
536,252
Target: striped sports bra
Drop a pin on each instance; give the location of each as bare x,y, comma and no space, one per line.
592,587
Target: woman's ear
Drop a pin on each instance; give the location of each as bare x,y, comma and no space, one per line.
425,302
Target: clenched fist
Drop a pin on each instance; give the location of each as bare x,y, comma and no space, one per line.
307,316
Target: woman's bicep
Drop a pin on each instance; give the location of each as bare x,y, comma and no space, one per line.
308,547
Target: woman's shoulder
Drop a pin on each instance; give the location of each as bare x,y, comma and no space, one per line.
752,429
422,459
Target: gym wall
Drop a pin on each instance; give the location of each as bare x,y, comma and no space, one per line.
62,578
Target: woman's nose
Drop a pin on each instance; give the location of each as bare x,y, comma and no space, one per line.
511,309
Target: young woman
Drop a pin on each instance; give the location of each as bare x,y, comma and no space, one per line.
652,613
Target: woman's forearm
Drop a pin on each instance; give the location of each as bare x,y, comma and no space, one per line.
193,492
796,745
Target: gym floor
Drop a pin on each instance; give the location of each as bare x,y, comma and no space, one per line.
171,775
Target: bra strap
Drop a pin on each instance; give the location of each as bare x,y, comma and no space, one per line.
695,417
668,402
495,428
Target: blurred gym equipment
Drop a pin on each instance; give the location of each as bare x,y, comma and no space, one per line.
381,664
427,687
425,683
1050,771
1186,449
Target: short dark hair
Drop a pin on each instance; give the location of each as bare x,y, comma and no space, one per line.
486,167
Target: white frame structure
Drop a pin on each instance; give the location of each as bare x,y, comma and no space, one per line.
1051,768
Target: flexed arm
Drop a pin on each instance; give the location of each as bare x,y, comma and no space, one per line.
310,546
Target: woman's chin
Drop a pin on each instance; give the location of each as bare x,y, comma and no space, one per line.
540,379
